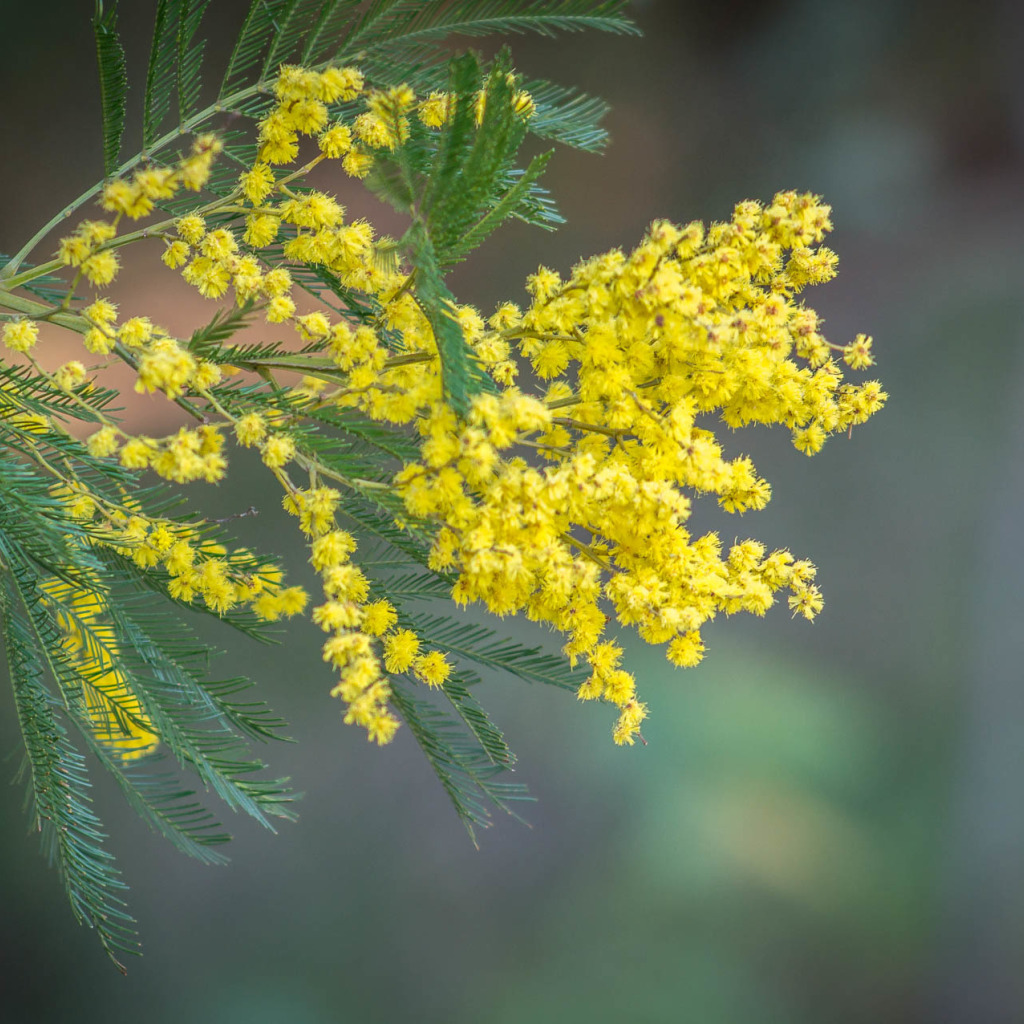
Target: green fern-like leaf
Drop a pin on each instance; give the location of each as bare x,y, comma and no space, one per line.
511,203
568,116
459,377
424,20
59,789
492,742
160,75
292,25
463,767
483,646
113,81
206,340
190,57
326,35
257,34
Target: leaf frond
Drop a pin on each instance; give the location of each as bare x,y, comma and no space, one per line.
113,81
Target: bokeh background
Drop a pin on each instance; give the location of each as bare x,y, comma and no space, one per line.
827,823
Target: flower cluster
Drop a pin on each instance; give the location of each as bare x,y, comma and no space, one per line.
365,643
569,502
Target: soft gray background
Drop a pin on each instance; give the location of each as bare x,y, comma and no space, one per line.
827,822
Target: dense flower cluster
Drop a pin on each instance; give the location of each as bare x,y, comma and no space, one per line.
565,501
637,347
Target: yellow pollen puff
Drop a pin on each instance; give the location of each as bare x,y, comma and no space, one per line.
192,228
313,326
400,650
627,728
343,84
379,617
120,196
435,110
687,650
278,450
176,254
357,163
806,601
156,182
20,335
101,268
857,354
332,549
135,332
261,230
104,442
335,615
70,375
102,312
336,141
250,429
431,668
257,183
137,453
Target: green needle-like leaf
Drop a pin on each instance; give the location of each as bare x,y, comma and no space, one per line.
113,81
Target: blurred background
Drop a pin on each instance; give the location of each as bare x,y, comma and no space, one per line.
827,823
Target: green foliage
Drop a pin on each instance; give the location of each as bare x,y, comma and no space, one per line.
334,17
292,25
420,21
113,81
60,805
258,31
463,766
201,723
457,185
175,65
190,56
460,380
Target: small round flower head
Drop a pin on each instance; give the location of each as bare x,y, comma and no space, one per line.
135,332
70,375
331,549
278,450
431,668
279,309
156,182
806,601
101,268
20,335
137,453
357,163
400,649
374,131
857,354
120,196
194,169
379,617
176,254
98,340
250,429
261,230
435,109
336,141
103,442
257,183
102,312
313,326
192,228
342,84
686,650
